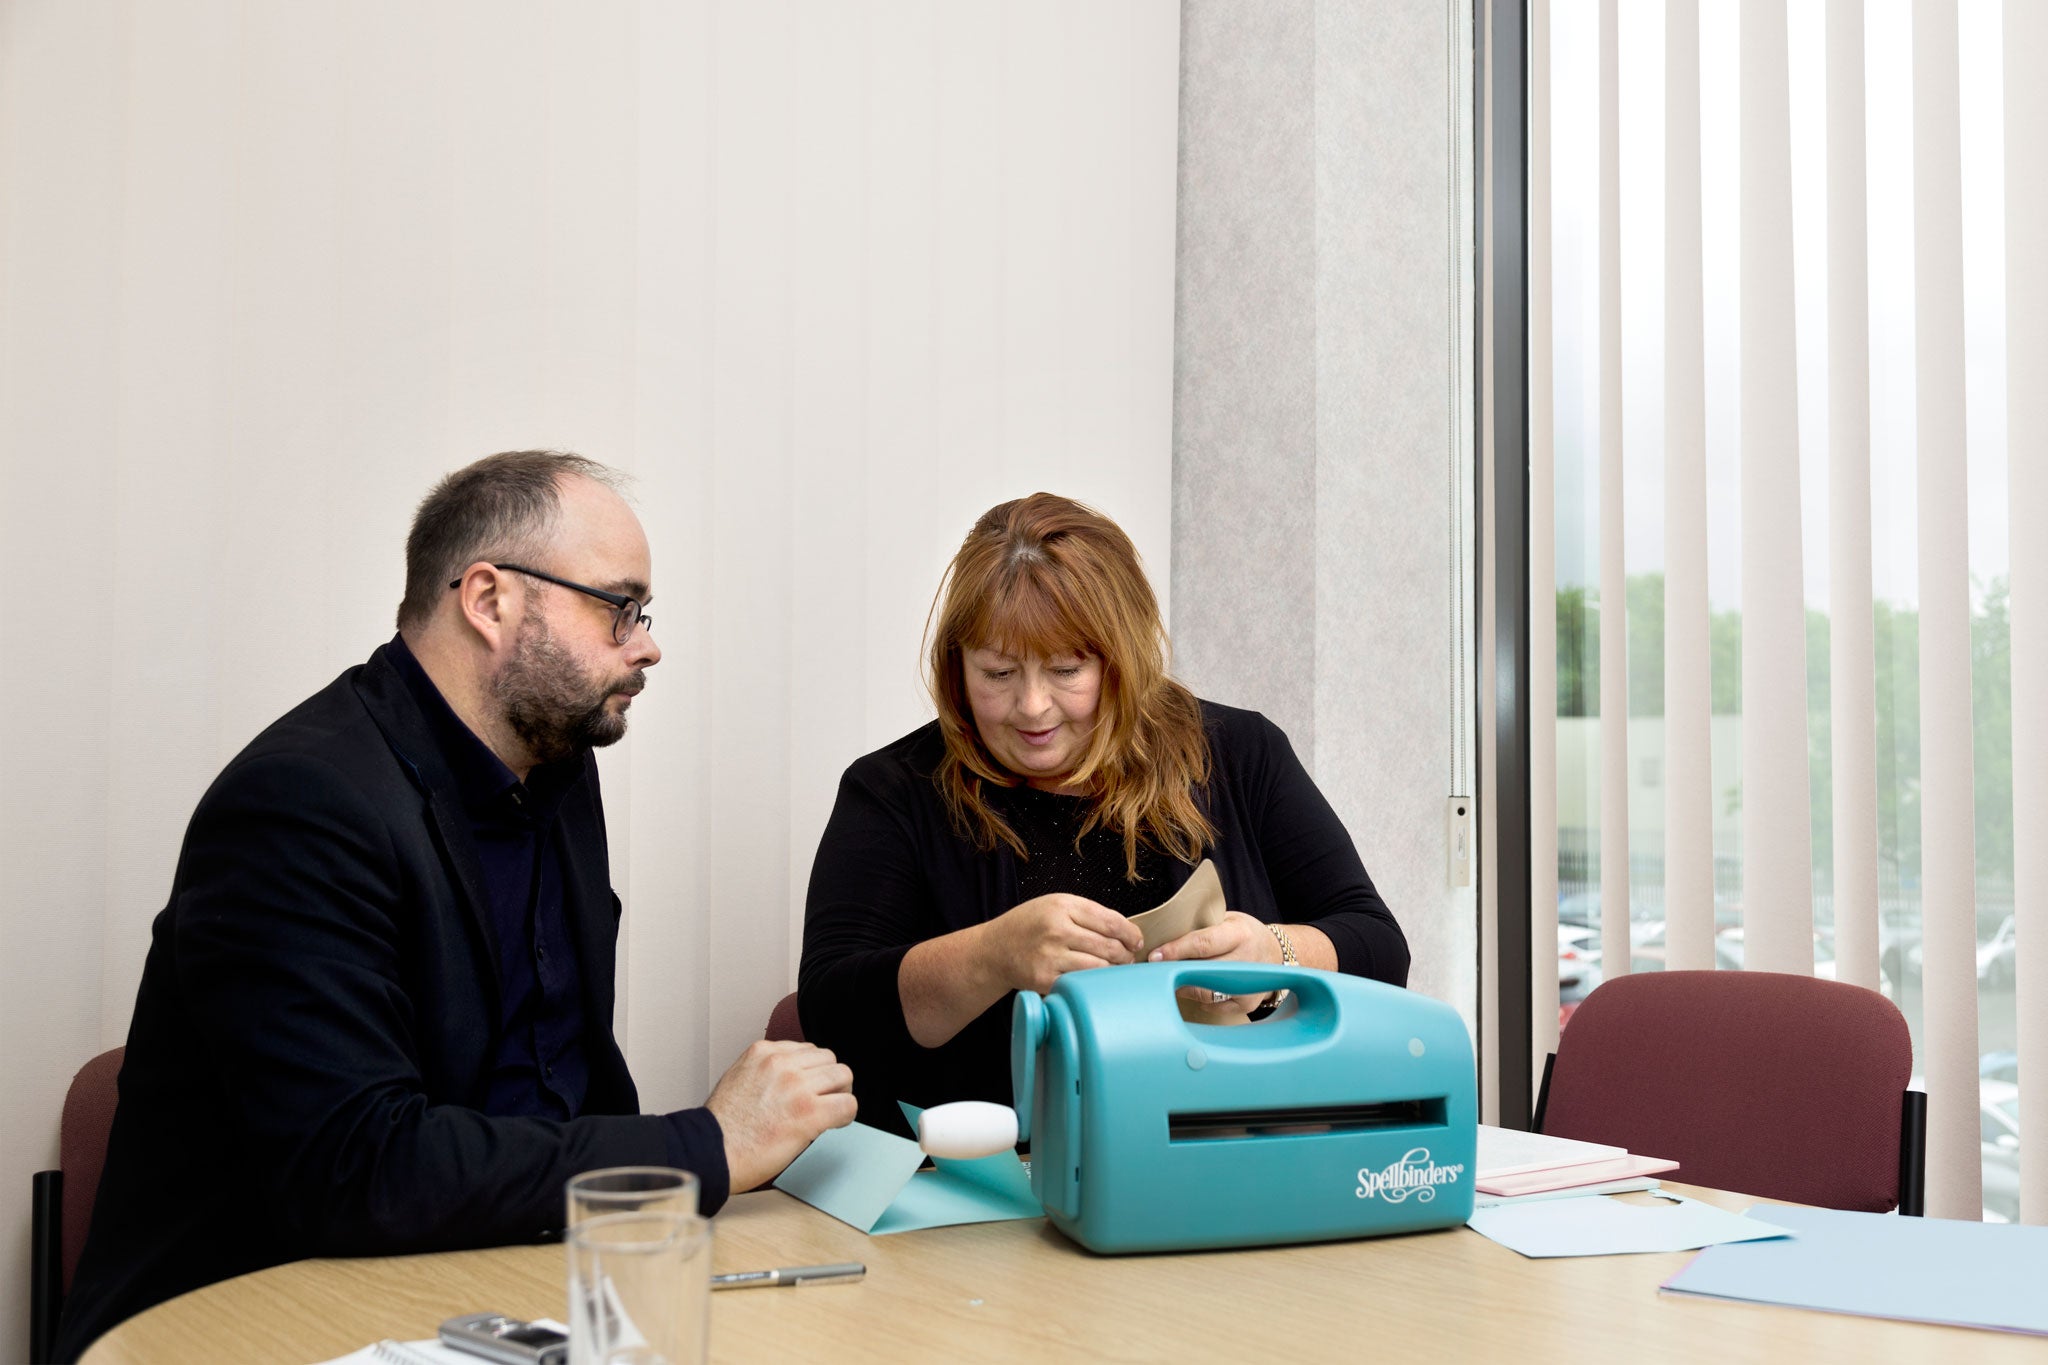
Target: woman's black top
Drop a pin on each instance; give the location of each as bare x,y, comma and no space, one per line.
1091,864
893,870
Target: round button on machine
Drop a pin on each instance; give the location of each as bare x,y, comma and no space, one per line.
1197,1059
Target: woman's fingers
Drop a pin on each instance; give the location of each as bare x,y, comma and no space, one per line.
1240,937
1202,943
1107,923
1104,950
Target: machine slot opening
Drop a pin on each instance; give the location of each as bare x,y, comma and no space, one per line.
1305,1121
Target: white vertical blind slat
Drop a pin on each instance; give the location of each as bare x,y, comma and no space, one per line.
1947,795
1543,1001
1776,837
1852,632
1688,695
2026,360
1614,895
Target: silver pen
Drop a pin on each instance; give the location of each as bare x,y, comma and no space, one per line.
791,1275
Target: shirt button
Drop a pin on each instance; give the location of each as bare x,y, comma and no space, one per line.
540,954
550,1071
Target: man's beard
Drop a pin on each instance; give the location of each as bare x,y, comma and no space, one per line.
551,705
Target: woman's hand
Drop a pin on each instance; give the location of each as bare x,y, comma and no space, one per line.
1239,938
1030,947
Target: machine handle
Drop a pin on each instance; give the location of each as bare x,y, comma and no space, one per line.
1250,978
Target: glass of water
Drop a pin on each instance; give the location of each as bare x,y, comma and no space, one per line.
639,1289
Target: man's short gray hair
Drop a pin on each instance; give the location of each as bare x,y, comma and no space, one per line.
502,508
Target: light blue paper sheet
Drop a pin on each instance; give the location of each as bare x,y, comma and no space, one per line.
869,1179
1883,1266
1599,1226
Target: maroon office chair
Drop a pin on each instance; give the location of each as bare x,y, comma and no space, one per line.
61,1200
1782,1086
783,1023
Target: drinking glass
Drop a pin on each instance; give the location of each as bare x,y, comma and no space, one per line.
630,1189
639,1289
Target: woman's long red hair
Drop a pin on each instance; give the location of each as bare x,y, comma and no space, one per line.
1045,576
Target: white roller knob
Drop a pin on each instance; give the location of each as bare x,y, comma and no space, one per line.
967,1129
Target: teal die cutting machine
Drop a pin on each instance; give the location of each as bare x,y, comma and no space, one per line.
1351,1112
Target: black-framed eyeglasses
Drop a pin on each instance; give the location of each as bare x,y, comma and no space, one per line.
626,613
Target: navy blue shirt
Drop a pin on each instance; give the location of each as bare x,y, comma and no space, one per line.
541,1068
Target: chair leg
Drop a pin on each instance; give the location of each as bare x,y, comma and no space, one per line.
1913,1154
46,1262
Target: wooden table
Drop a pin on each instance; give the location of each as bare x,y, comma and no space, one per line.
1019,1291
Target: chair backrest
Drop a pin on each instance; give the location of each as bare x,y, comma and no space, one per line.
1765,1083
783,1023
82,1147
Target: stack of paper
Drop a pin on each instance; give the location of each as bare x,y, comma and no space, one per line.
1517,1163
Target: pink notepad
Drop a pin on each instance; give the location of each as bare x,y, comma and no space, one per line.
1566,1177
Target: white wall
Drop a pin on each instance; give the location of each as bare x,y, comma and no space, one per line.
830,279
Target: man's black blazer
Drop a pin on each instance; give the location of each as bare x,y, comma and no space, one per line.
317,1016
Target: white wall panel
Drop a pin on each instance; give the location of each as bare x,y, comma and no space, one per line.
829,280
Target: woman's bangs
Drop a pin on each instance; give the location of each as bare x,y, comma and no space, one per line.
1023,619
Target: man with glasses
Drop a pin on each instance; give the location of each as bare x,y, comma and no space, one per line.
376,1013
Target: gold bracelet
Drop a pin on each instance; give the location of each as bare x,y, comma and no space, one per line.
1287,959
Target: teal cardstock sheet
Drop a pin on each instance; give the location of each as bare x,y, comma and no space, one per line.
870,1180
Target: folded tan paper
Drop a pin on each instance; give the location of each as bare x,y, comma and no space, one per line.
1197,905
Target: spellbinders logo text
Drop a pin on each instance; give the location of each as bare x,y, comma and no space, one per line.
1413,1174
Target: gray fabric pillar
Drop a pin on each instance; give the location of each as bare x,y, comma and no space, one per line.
1322,486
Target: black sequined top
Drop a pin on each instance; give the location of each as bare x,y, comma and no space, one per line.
1097,869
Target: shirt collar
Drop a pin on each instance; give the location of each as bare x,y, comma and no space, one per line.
486,784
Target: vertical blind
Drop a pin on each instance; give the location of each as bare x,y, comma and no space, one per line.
1778,509
2026,358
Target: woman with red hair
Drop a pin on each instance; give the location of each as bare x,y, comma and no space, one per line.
1067,783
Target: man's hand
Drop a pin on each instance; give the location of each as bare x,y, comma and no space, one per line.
773,1101
1030,947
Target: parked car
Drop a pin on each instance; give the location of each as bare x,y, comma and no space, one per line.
1578,967
1646,951
1728,952
1899,955
1582,908
1578,957
1995,956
